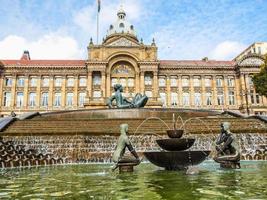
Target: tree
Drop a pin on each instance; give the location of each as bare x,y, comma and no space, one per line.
260,80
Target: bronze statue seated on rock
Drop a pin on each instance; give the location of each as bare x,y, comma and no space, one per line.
138,101
226,148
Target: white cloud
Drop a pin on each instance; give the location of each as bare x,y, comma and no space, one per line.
227,50
51,46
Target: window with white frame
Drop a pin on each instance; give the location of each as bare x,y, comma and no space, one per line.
162,82
33,81
44,99
208,81
20,97
57,99
220,98
208,99
148,79
231,98
130,82
45,82
20,81
7,99
186,99
32,99
148,94
58,82
185,81
82,81
219,81
114,81
173,82
250,81
196,81
231,81
97,94
70,82
69,99
163,98
8,81
82,96
96,79
197,98
174,99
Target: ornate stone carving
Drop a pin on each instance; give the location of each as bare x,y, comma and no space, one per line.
251,61
123,42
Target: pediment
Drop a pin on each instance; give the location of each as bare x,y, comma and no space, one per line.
251,61
123,42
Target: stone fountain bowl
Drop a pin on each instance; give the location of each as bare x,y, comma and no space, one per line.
176,144
177,133
176,160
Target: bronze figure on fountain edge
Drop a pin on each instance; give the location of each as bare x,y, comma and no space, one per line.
138,101
125,163
227,151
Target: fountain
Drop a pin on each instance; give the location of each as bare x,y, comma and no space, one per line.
175,157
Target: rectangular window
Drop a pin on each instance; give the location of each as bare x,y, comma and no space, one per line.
20,82
8,81
45,82
96,79
174,99
220,98
70,82
208,81
219,81
196,81
231,82
173,82
57,99
148,80
7,99
82,82
197,96
231,98
252,96
185,81
163,99
20,98
97,94
186,99
250,81
257,98
123,82
208,99
33,81
44,99
32,99
69,99
82,98
162,82
130,82
114,81
58,82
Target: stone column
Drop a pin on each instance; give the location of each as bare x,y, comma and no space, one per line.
214,95
75,91
137,82
191,91
180,91
13,91
108,85
225,91
89,84
26,92
237,91
63,91
142,82
155,84
103,83
168,91
243,89
51,92
203,91
38,92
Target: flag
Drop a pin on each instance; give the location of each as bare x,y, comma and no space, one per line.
98,5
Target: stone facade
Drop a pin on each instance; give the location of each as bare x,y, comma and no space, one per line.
51,85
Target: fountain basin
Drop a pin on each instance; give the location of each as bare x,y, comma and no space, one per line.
176,160
176,144
177,133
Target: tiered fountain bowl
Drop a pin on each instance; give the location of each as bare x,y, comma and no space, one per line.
175,157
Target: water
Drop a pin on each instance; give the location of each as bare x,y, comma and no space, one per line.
96,181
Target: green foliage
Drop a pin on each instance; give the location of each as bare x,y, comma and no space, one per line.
260,80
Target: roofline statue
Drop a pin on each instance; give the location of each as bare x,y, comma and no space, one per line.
138,101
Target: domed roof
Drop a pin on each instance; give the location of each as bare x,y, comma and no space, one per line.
121,25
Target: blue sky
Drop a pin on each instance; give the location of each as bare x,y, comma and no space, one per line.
183,29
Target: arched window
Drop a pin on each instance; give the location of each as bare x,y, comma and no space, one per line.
121,25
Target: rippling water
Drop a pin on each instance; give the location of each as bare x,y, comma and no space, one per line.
147,182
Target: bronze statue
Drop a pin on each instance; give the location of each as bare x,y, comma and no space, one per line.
121,102
123,142
227,150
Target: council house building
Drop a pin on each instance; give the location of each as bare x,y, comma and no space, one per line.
28,85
